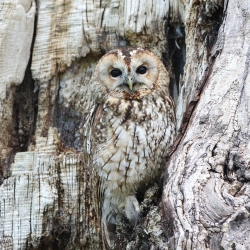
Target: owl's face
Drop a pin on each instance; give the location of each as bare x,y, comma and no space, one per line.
130,71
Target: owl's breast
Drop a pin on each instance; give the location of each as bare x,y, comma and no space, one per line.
134,136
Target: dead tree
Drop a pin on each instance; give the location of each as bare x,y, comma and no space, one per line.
48,52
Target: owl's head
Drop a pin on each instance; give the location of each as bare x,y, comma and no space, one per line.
129,73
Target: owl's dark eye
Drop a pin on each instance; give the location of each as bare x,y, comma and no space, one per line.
141,70
115,72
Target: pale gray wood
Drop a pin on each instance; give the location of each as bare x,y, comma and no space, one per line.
206,191
47,197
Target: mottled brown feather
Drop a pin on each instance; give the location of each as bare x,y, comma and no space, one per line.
131,131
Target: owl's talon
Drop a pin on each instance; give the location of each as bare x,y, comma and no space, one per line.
132,209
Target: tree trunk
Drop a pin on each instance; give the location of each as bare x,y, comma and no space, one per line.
47,59
206,189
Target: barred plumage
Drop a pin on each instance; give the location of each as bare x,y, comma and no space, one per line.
133,124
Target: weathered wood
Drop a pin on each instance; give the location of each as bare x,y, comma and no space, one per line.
47,200
16,33
207,184
47,196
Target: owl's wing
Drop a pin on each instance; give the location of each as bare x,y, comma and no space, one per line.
98,135
90,148
93,135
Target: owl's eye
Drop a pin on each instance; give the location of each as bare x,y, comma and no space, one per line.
141,70
115,72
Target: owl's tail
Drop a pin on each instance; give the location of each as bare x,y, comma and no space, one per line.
109,219
112,216
108,234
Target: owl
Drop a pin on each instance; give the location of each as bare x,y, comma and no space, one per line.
131,125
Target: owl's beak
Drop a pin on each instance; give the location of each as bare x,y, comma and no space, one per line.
130,82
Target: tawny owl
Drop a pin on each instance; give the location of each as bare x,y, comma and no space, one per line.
132,125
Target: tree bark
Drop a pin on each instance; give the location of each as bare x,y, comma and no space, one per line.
48,52
206,190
